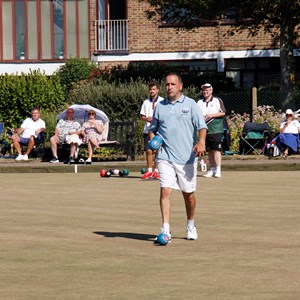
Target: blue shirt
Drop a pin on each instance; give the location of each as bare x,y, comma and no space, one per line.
177,123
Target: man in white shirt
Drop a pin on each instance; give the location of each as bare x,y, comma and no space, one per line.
29,134
213,111
146,114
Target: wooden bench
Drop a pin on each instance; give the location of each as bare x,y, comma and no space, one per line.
120,135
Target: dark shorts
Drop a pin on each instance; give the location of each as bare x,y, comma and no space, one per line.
37,140
24,141
214,141
146,142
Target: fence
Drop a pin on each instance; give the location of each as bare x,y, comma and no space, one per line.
245,101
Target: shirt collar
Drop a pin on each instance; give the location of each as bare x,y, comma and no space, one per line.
181,99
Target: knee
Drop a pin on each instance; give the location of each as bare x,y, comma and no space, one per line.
15,138
53,140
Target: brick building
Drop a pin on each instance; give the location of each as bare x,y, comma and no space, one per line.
41,34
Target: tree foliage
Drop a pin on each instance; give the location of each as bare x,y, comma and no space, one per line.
281,18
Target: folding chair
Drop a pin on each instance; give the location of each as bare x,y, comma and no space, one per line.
254,138
1,131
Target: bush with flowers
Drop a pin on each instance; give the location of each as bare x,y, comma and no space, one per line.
260,115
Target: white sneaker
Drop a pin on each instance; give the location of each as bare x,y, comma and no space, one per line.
25,157
217,174
88,161
191,232
209,174
19,157
165,232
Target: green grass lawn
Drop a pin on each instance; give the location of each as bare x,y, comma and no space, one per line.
79,236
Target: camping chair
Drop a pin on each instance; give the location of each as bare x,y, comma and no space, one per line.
1,131
254,138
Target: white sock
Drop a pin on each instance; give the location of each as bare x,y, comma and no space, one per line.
156,170
218,169
166,227
150,169
191,222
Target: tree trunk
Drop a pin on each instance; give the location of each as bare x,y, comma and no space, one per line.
287,60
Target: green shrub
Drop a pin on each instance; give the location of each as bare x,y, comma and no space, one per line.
19,94
119,101
50,119
75,70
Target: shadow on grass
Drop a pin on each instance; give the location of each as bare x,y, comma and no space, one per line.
127,235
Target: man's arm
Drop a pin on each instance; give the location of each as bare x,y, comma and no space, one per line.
19,130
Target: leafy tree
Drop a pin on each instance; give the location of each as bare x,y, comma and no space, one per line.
281,18
74,70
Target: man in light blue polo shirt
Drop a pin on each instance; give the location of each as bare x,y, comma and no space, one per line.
177,119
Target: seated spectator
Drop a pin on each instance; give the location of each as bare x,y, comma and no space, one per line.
92,130
29,134
66,131
287,140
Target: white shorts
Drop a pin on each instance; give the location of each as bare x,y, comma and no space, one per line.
178,177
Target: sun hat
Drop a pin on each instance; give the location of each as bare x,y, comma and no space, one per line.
289,112
206,85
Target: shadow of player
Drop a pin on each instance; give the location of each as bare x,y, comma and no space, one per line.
126,235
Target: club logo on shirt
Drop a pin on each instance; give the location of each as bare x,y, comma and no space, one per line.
185,110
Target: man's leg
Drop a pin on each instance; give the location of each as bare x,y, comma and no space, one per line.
149,158
165,204
16,144
30,145
211,158
148,174
190,206
217,159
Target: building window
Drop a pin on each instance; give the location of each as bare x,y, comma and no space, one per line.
44,29
250,72
20,37
58,29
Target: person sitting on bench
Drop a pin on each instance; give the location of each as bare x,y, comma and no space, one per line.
67,131
92,130
30,134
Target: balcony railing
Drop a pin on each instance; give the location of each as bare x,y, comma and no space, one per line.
111,36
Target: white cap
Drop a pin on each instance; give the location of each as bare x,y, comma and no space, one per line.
289,112
206,85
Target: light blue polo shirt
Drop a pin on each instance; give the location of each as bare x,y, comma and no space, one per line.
177,123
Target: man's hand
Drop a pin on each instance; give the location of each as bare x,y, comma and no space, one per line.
199,148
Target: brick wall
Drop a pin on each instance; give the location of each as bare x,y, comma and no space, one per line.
93,17
147,36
